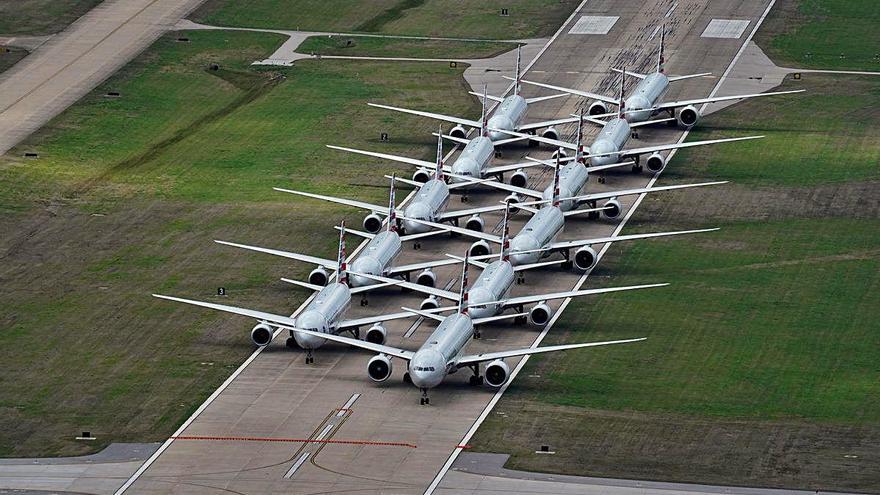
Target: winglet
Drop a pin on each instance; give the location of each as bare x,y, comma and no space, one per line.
660,58
342,273
392,212
556,179
463,294
438,172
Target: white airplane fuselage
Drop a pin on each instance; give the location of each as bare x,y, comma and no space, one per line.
473,159
376,257
538,232
645,96
508,116
572,179
427,205
611,139
322,314
436,357
494,284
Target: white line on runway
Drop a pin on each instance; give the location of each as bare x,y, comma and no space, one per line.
454,455
347,405
302,459
671,10
324,432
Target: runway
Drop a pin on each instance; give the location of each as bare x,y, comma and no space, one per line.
267,429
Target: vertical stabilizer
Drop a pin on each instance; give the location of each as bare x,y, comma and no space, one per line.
484,126
621,102
579,145
342,272
660,55
505,235
438,172
517,87
463,294
556,178
392,211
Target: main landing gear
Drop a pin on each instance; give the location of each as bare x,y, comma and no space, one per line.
291,343
476,379
309,358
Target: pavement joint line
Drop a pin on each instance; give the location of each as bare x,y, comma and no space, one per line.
373,443
495,398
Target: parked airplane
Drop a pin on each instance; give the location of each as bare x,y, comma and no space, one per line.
645,101
608,146
490,294
508,116
536,240
322,316
377,257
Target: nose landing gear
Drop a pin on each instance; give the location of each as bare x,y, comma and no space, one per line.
425,400
309,358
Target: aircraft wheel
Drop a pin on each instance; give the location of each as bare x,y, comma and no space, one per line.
407,379
291,343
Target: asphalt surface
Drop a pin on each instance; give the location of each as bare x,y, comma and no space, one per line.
277,396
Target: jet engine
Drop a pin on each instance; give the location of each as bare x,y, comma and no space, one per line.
262,334
427,278
379,368
319,276
550,133
540,315
597,108
421,175
655,162
497,373
688,116
372,223
519,178
512,199
475,222
430,302
376,334
458,131
480,248
613,210
585,258
561,153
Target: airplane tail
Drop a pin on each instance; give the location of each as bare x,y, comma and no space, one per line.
660,55
517,87
463,294
505,235
579,153
342,272
438,172
484,126
392,211
556,179
621,110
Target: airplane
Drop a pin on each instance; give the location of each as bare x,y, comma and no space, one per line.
323,316
608,146
508,117
536,240
377,257
441,355
645,102
490,294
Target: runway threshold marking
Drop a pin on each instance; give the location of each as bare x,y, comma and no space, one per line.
298,440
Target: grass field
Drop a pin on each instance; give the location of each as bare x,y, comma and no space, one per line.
461,18
815,33
361,46
10,56
760,367
37,17
125,199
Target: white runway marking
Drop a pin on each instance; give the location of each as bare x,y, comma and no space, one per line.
347,405
302,459
725,28
594,24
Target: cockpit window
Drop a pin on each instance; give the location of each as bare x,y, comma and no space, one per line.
424,368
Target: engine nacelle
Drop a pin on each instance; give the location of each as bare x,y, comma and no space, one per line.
585,258
497,373
480,248
261,335
655,162
519,178
540,315
319,276
612,208
475,222
688,116
512,199
430,302
422,175
597,108
379,368
372,223
427,278
459,132
550,133
376,334
559,152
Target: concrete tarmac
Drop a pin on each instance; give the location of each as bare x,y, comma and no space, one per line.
249,438
73,62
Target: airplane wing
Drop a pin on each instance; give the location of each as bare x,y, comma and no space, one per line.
431,291
651,122
436,116
630,237
673,146
279,320
491,356
299,283
348,202
540,264
509,167
459,230
538,99
546,123
359,233
553,142
397,270
531,193
359,322
295,256
516,301
362,344
688,76
629,192
490,319
449,215
633,74
386,156
585,94
716,99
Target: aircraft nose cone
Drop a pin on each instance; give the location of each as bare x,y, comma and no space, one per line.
427,369
308,341
309,320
